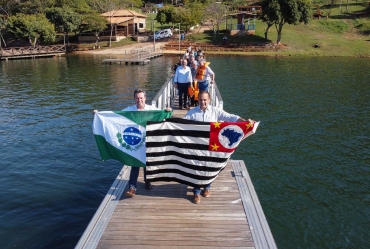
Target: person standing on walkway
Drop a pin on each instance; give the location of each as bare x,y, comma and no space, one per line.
207,113
204,76
183,80
140,98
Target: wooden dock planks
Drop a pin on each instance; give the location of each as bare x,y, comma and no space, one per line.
165,217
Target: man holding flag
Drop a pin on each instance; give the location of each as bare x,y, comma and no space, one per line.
207,113
120,135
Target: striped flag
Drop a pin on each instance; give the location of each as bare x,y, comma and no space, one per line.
120,135
192,152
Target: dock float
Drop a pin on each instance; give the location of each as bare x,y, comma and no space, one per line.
142,59
127,61
165,216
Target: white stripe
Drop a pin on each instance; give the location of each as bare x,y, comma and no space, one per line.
196,152
178,126
184,160
178,139
181,177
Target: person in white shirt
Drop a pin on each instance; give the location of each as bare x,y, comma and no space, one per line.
140,98
207,113
183,79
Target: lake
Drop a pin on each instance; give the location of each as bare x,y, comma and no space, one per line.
309,160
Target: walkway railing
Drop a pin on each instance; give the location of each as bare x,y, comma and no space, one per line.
166,96
32,51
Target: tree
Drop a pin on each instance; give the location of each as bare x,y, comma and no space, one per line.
280,12
32,6
215,14
165,14
3,24
65,19
33,27
188,16
95,23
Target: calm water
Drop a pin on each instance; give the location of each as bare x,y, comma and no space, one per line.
309,160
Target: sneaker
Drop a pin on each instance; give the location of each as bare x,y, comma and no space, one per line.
207,193
148,186
131,192
196,199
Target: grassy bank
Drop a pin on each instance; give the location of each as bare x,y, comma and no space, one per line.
344,33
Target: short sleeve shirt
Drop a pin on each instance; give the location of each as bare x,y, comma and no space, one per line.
146,108
211,114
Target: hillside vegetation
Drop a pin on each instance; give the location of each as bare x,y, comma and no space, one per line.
343,33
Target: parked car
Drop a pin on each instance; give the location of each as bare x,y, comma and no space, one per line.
159,35
167,32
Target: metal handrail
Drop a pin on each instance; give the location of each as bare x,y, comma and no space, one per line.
166,95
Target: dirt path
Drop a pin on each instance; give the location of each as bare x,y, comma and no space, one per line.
125,49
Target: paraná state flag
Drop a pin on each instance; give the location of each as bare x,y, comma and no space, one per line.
192,152
120,135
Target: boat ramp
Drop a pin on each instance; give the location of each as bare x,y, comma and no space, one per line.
165,217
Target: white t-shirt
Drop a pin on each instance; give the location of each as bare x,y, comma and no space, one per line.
146,108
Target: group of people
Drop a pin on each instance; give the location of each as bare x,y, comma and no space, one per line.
190,71
193,72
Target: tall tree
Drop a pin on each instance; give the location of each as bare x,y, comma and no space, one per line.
65,19
95,23
280,12
33,27
215,15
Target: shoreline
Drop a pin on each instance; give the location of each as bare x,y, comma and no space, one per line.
148,45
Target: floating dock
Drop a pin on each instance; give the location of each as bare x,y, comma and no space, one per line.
165,216
136,58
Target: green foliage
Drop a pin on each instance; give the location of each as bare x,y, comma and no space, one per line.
31,6
187,16
65,19
280,12
94,22
363,25
80,6
165,14
33,27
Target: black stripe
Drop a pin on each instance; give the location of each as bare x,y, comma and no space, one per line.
185,165
180,172
173,179
180,121
177,145
179,133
